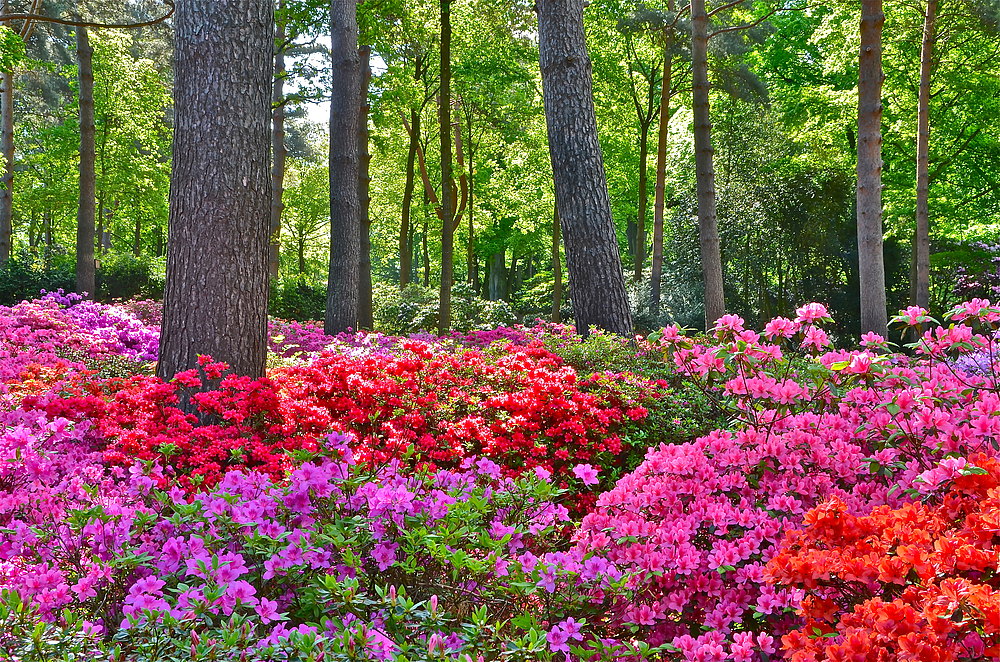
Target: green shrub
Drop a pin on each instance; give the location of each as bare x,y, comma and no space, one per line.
25,275
125,276
298,299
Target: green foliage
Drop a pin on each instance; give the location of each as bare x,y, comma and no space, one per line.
415,308
12,51
297,299
125,276
25,275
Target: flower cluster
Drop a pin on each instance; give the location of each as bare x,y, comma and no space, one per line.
698,522
915,582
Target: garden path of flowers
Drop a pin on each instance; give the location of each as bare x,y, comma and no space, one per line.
513,494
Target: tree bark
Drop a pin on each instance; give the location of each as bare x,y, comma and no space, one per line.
279,151
922,238
86,210
215,301
639,256
656,268
365,313
874,316
447,213
593,260
556,268
708,224
471,263
345,106
405,230
7,167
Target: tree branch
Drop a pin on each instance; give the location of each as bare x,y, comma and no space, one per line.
40,18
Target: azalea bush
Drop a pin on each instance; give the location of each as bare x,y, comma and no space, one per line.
340,559
915,582
698,522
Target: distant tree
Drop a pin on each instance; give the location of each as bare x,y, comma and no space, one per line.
345,107
365,313
922,235
86,274
874,315
596,280
448,194
215,300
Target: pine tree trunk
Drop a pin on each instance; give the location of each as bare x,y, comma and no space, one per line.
7,166
447,176
556,268
86,210
656,268
345,106
405,225
279,151
869,194
922,242
708,224
593,261
215,301
639,256
365,314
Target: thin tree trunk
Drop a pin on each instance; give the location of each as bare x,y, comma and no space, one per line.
345,105
556,268
215,301
639,256
7,167
708,224
279,151
922,242
656,268
85,268
137,237
472,265
365,313
405,230
593,261
447,176
425,249
874,316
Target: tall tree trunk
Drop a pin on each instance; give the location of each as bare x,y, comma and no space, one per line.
556,268
137,237
447,176
279,151
472,265
405,229
593,260
656,268
498,276
424,248
86,210
365,313
215,301
345,106
922,237
7,167
708,224
639,256
874,316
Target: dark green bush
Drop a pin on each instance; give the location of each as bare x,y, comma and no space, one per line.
25,275
297,299
125,276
